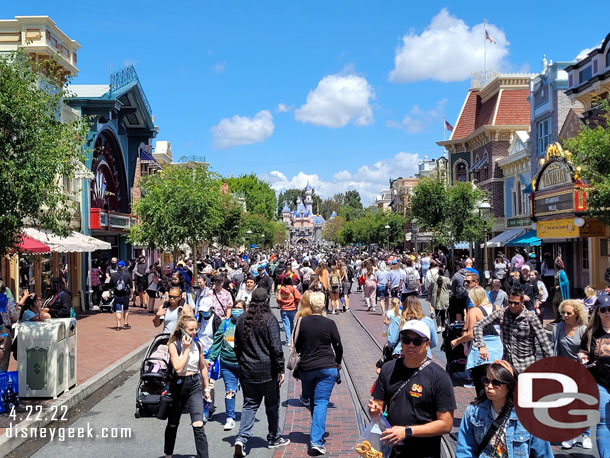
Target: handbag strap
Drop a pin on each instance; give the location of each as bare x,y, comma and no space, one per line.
295,334
497,423
419,369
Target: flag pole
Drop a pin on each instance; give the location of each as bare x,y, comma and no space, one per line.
485,46
444,127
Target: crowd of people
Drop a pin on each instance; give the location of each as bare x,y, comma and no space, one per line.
222,326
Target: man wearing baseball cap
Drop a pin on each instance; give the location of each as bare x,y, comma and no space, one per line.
418,396
121,283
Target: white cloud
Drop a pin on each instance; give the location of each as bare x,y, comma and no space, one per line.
583,53
418,120
219,67
283,108
241,130
368,180
448,50
337,101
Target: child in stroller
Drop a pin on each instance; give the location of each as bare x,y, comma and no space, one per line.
155,373
107,301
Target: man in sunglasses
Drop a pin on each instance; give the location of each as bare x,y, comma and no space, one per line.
418,396
170,312
520,331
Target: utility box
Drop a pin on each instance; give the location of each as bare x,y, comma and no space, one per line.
42,358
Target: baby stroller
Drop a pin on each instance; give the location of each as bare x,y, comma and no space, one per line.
456,360
155,373
107,302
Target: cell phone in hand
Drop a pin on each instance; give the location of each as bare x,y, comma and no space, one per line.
185,334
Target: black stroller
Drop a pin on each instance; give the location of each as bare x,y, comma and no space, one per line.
155,374
107,301
456,360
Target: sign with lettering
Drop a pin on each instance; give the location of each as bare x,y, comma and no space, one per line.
518,222
556,174
553,204
593,228
557,229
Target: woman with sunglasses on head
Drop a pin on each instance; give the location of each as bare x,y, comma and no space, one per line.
186,357
479,437
567,337
595,353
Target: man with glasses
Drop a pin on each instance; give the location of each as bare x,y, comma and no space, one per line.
222,301
520,331
418,396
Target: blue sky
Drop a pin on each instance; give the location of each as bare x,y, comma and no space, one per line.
343,94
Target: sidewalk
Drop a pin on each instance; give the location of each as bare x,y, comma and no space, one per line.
99,347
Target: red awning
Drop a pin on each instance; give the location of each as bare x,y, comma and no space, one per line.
33,246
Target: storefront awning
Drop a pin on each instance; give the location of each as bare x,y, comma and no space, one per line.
30,245
461,246
526,240
503,238
74,243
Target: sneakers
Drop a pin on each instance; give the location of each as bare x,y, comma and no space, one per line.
229,425
567,444
586,442
126,326
240,450
318,450
279,442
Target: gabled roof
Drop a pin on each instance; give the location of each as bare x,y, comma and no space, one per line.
508,107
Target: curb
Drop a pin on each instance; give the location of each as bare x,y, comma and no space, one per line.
73,397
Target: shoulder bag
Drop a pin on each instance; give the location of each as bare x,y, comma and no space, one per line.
400,388
498,422
294,358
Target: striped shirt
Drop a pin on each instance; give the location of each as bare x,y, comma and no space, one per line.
518,335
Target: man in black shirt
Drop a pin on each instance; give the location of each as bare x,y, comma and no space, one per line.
418,395
121,283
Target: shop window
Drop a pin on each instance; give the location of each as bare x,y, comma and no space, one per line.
461,173
585,255
604,247
544,136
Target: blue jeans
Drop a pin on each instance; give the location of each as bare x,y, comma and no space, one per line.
318,385
230,376
288,320
603,428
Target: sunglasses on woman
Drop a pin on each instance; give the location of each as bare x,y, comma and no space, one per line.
495,383
416,341
604,309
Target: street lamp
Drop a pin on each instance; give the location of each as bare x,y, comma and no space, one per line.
249,233
414,230
387,228
484,213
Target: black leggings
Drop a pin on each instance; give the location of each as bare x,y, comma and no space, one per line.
186,391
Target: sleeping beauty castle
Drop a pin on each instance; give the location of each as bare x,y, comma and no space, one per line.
304,226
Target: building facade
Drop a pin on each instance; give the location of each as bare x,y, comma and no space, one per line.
303,226
401,192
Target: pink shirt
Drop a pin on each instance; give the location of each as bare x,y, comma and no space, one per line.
221,301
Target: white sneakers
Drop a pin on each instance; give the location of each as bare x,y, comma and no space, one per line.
584,440
229,425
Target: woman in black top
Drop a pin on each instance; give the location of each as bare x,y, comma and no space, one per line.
319,345
595,353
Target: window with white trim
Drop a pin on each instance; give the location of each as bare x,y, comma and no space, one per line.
544,135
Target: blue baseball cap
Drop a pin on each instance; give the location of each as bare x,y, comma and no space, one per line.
121,264
603,300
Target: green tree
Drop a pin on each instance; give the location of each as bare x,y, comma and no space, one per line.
262,230
179,205
332,229
591,155
36,149
328,206
228,231
260,197
429,205
279,233
464,223
352,199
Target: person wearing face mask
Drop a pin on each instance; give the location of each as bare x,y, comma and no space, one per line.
224,347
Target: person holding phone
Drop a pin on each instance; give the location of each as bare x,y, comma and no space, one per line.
187,360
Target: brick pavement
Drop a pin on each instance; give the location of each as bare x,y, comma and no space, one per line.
99,346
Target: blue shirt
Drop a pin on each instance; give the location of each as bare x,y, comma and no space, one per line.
394,278
382,278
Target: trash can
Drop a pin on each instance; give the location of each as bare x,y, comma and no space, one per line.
42,358
70,351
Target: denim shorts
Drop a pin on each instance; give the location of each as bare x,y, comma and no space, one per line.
382,291
121,304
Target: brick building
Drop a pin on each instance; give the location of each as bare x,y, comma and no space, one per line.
491,115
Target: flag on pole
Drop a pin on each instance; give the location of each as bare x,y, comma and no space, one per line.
448,126
489,37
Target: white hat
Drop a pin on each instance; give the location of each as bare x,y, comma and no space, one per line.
295,265
526,267
418,327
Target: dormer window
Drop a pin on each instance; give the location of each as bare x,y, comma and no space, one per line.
608,60
585,74
594,66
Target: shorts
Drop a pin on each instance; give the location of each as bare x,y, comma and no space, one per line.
347,288
121,304
395,292
151,293
382,292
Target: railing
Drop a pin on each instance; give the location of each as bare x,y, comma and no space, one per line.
482,79
124,77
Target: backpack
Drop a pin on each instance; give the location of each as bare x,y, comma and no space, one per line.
334,281
120,285
306,275
411,280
